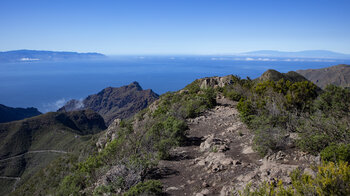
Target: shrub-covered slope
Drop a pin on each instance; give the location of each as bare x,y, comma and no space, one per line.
30,144
123,164
320,120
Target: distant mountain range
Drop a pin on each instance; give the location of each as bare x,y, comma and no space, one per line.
112,103
300,54
37,55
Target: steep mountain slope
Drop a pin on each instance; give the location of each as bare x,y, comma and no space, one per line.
338,75
112,103
8,114
30,144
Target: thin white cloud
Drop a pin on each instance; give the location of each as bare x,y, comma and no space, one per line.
54,106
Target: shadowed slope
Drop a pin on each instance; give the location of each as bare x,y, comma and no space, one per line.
8,114
30,144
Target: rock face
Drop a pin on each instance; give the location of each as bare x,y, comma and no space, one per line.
109,135
214,82
8,114
338,75
112,103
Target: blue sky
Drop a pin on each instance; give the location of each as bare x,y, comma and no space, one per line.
175,26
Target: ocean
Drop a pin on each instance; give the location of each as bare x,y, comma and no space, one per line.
47,86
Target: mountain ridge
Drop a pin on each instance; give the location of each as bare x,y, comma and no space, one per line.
338,75
8,114
301,54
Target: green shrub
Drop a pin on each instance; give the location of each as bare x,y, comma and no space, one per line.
101,190
210,97
301,94
336,153
334,101
167,134
73,184
150,187
246,110
317,132
232,95
262,87
193,87
312,143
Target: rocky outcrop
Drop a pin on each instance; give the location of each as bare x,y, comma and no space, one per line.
214,82
8,114
338,75
109,135
120,174
112,103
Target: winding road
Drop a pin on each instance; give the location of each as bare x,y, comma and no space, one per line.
33,152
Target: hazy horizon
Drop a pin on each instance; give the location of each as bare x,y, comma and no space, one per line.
158,27
179,54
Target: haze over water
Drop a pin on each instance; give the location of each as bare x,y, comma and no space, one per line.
47,86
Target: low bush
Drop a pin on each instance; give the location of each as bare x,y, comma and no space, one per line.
268,106
336,153
150,187
246,110
334,101
330,179
317,132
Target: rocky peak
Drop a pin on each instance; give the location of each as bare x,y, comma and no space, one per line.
112,103
135,85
